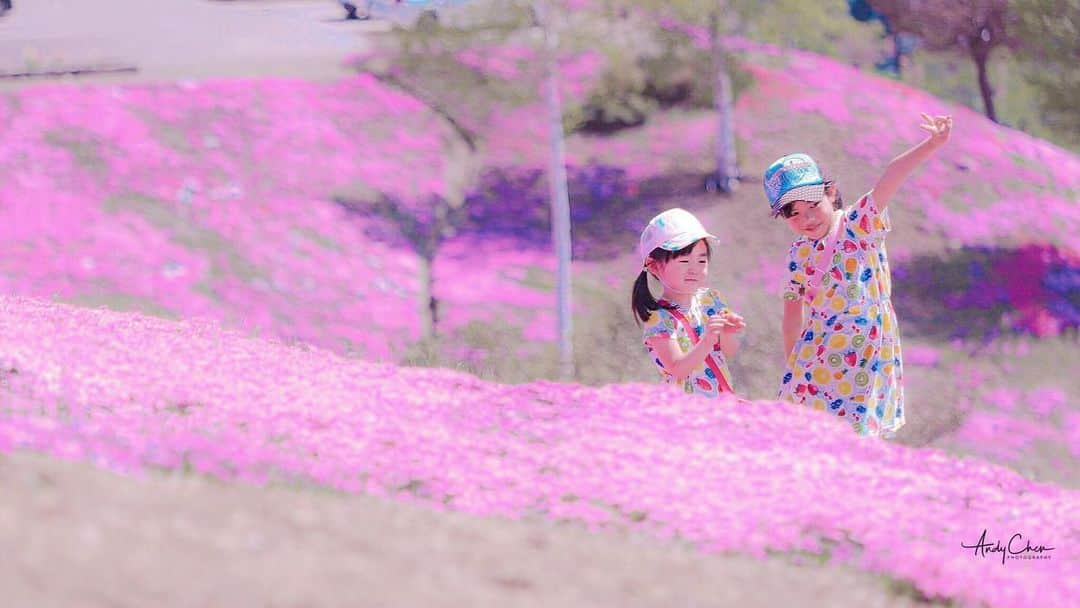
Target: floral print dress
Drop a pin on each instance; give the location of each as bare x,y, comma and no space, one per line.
712,376
847,360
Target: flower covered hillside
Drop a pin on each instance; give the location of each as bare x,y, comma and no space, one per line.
131,392
215,199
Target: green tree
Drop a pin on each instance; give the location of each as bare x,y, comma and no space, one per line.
718,18
546,19
424,61
420,60
1050,30
971,27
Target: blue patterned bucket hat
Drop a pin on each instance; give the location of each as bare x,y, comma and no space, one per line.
793,177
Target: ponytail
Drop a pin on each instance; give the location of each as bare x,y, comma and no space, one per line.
642,301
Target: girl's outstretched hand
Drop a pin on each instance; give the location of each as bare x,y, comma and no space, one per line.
939,128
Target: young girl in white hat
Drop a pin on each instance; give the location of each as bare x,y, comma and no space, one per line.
688,331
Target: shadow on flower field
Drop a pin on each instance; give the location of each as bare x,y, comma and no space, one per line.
984,293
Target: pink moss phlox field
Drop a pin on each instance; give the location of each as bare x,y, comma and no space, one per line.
131,392
1010,420
1026,289
921,355
213,199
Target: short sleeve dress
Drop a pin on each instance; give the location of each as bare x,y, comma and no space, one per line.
712,376
847,361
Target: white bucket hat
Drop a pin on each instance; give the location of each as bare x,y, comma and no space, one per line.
672,230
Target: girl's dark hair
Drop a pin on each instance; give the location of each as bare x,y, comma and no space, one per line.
838,201
642,301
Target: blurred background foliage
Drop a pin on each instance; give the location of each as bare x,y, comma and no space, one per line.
651,66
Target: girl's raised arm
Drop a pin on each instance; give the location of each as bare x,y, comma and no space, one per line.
899,168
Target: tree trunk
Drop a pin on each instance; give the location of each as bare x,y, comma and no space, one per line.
726,178
560,198
428,304
981,58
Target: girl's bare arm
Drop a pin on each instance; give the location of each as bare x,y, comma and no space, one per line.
674,360
792,324
899,168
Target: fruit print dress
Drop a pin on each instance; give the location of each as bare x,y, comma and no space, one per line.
847,360
712,376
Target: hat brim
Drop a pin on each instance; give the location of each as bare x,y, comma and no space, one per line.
677,243
684,240
814,192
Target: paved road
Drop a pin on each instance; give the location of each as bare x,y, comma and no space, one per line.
170,39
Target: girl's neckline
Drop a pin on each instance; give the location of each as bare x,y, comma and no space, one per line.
837,214
665,303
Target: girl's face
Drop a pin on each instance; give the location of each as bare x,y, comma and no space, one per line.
809,219
686,274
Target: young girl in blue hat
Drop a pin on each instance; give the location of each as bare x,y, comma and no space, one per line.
840,332
689,332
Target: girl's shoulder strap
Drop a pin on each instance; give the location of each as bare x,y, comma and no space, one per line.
824,259
793,251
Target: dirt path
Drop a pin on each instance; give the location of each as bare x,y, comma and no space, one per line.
73,535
